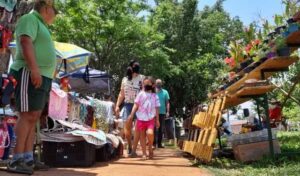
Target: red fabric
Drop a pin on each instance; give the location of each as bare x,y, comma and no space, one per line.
144,125
64,83
275,114
6,36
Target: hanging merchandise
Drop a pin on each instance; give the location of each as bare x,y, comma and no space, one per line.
58,104
8,5
4,136
64,84
83,113
102,125
5,37
7,86
103,114
10,142
104,109
73,109
90,116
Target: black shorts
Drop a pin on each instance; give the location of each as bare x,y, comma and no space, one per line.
29,98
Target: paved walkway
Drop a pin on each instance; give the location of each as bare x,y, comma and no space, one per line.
167,162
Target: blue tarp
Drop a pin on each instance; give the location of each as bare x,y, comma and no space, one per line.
88,81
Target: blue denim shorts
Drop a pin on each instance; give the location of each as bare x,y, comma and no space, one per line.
127,108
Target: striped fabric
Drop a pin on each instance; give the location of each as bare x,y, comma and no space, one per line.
24,90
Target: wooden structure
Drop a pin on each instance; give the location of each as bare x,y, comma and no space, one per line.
202,146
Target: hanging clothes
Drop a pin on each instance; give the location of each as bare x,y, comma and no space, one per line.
9,5
4,136
90,116
104,109
58,104
73,109
103,114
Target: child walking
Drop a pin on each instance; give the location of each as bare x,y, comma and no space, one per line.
146,108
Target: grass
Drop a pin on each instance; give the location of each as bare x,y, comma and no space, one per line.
286,164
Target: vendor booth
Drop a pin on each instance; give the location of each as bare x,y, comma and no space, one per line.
248,80
76,129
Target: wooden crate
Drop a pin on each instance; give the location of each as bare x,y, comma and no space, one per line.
254,151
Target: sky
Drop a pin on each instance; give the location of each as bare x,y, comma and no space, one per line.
247,10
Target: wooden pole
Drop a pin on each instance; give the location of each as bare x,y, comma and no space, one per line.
288,95
291,90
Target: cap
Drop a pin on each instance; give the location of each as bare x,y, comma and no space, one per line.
48,2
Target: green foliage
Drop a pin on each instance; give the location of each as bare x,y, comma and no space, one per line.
196,42
279,20
285,164
292,112
175,42
114,33
291,7
236,51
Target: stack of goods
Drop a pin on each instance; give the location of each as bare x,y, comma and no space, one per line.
252,146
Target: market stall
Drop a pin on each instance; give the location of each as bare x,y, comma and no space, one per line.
78,128
247,81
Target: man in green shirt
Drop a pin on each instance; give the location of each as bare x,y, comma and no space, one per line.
164,111
33,68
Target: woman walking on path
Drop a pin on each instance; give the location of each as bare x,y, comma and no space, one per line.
130,87
146,107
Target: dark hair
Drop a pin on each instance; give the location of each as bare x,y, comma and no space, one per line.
38,5
132,62
129,71
152,80
107,96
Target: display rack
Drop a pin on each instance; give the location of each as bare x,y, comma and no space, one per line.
202,146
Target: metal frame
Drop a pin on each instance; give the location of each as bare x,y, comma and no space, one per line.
266,106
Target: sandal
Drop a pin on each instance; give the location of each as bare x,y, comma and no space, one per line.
132,155
151,155
144,157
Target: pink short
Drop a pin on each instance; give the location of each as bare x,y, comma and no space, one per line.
144,125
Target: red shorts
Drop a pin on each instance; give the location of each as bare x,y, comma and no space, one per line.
145,125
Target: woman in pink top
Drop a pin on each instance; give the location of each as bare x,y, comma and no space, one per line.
146,109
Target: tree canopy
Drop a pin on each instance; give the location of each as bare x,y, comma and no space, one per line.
174,41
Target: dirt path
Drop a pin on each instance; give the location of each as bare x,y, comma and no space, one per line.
167,162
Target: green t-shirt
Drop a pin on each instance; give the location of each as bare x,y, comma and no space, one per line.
163,98
33,25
